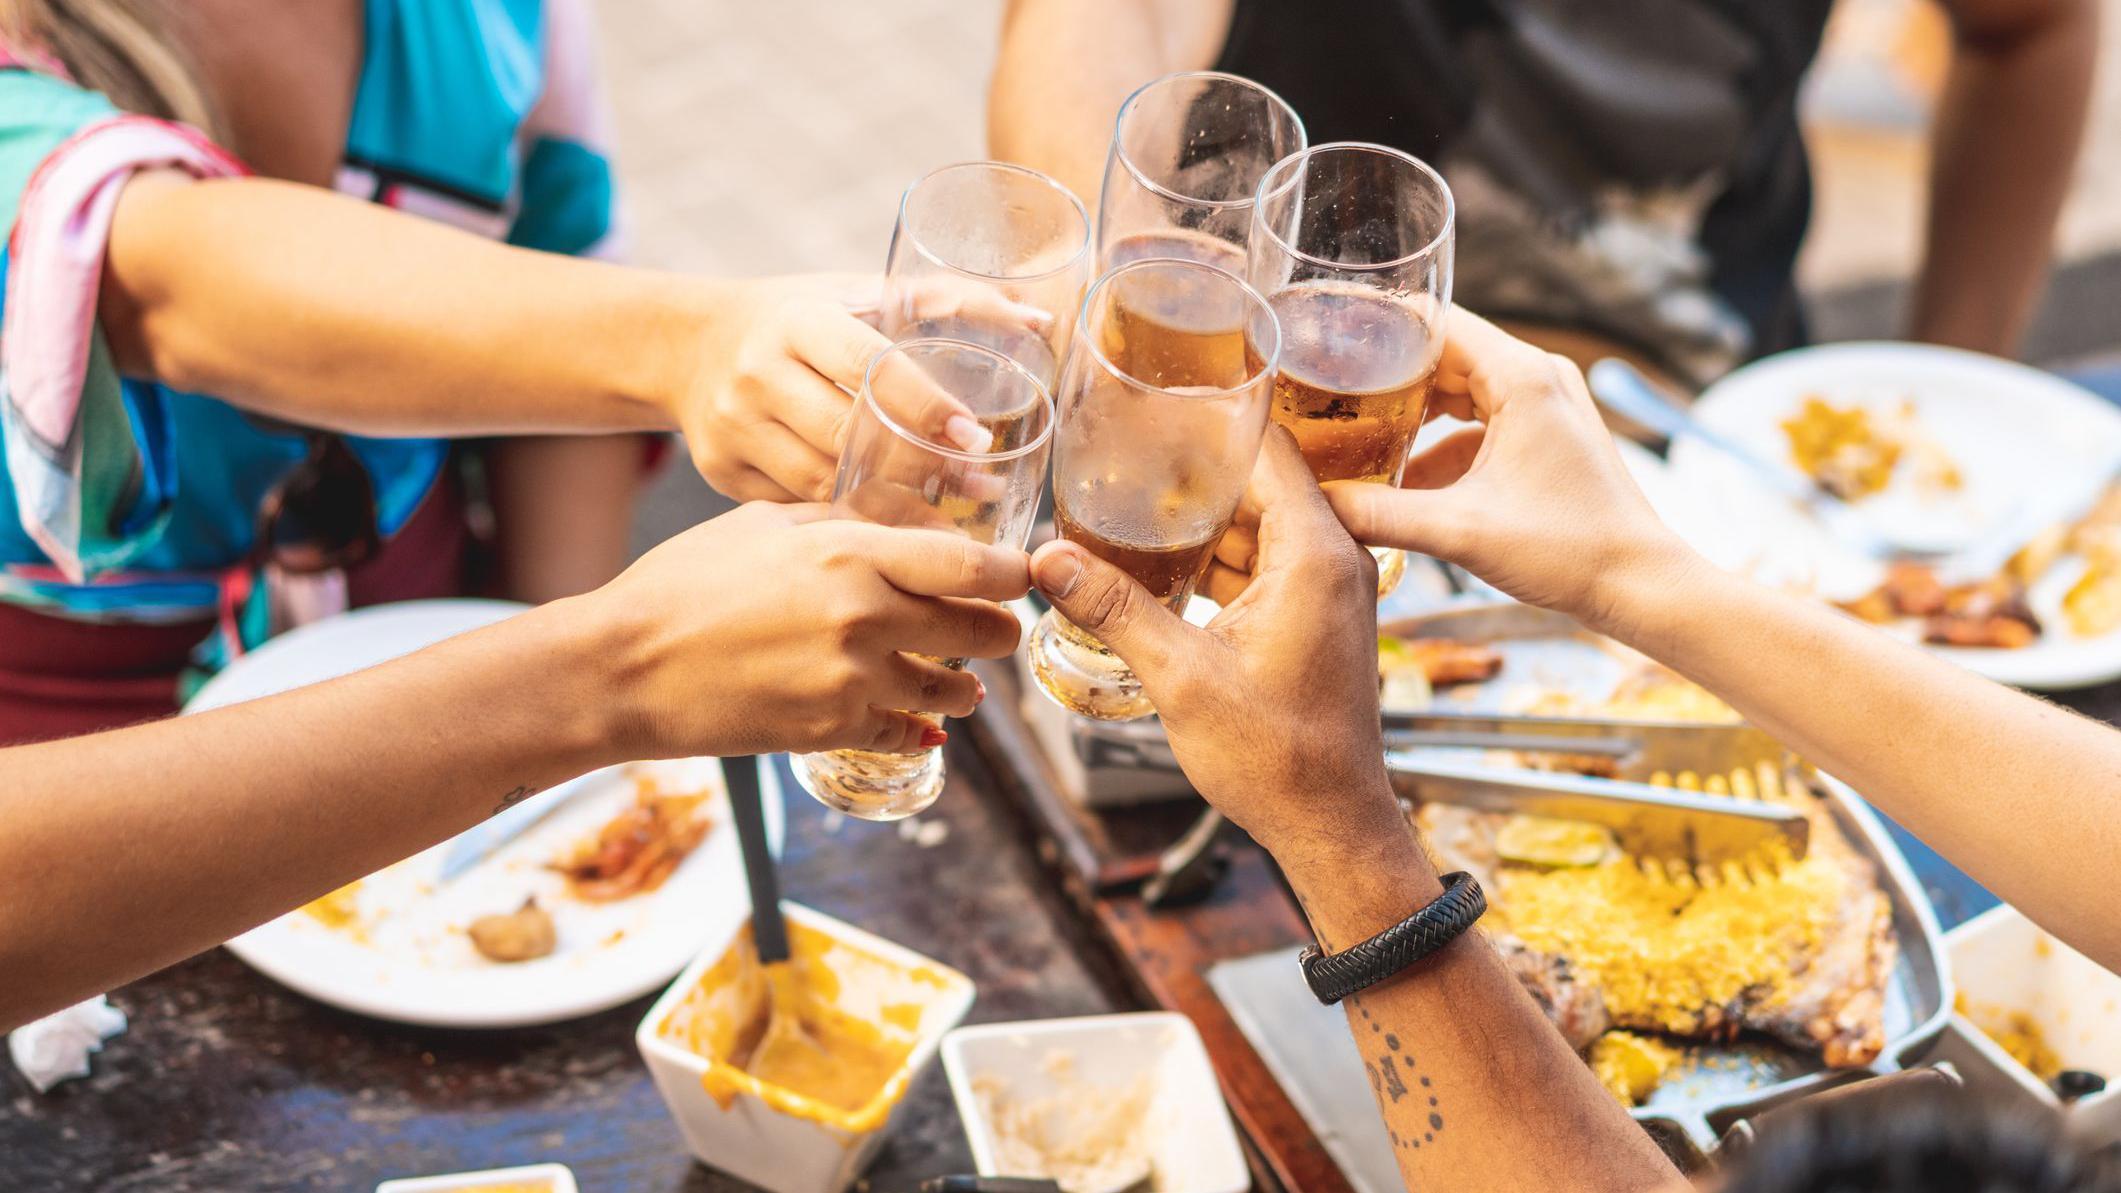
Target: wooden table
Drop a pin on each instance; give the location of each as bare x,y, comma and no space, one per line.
226,1081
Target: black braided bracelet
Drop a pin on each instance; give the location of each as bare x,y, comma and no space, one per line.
1335,977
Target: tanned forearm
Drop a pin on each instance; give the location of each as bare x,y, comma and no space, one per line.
2007,133
305,305
1477,1088
1066,65
2024,796
118,854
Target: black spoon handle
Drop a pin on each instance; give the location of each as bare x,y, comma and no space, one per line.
769,929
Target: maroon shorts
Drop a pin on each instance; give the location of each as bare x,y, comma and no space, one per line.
60,677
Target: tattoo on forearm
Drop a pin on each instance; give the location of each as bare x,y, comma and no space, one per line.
1391,1067
1317,933
516,796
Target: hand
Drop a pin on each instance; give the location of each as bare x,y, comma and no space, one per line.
1272,708
769,407
1536,501
772,628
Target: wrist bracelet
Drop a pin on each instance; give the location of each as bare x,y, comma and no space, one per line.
1428,930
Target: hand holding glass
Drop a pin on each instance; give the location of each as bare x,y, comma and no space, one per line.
1163,403
897,477
1352,245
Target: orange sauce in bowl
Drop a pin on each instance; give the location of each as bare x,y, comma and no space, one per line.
825,1036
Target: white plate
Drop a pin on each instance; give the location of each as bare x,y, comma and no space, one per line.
2011,430
415,965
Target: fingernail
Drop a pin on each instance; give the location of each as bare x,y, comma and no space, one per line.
1037,319
932,737
979,690
1058,573
965,431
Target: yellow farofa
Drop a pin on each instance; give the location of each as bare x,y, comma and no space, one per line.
1664,945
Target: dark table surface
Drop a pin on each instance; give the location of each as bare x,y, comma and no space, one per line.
226,1081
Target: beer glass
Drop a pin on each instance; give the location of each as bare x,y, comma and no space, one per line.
992,254
1351,244
1162,405
895,476
1188,151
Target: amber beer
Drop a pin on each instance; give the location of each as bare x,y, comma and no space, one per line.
1356,372
1177,330
1170,571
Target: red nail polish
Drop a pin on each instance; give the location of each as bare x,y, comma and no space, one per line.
932,737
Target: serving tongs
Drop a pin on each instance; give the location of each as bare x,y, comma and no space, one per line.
1648,820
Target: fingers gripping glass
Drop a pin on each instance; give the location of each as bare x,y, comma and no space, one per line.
1188,151
991,254
321,516
1162,406
1352,246
893,475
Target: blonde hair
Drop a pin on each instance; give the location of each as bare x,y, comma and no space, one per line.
122,48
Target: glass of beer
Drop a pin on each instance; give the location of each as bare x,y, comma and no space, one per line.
894,476
1163,402
1351,244
992,254
1187,155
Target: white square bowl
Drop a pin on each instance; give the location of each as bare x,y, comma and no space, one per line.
754,1139
1195,1147
2004,962
547,1178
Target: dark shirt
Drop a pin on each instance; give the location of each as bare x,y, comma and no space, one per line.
1632,168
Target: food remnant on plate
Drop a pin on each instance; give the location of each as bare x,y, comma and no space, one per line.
2092,606
524,934
2018,1034
1541,841
1083,1137
338,910
824,1036
639,848
1632,1066
1440,661
1989,613
1842,448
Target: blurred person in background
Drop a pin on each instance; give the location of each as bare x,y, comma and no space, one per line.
1630,175
225,397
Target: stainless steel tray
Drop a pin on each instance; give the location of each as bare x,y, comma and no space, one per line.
1308,1048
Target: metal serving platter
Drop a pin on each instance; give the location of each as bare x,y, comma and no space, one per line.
1308,1048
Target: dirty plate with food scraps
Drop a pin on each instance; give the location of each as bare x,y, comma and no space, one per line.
1982,444
396,944
1549,663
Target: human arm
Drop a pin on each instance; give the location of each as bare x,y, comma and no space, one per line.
2004,145
300,304
1066,65
1272,712
128,850
2024,796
